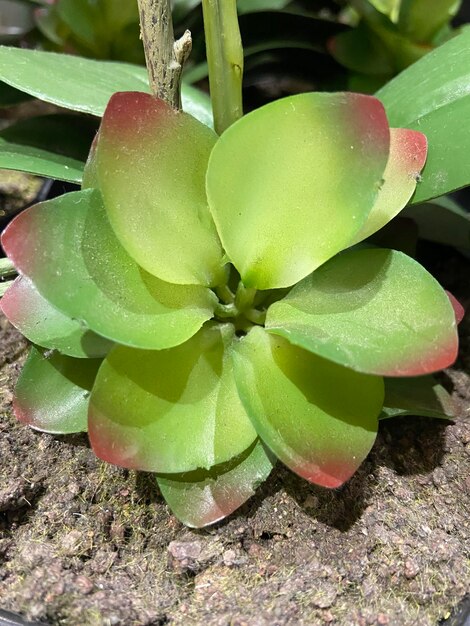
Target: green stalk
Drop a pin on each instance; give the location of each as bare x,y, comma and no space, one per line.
225,59
244,297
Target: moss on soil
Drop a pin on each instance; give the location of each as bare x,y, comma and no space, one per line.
83,543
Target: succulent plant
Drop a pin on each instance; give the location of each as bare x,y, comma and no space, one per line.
206,304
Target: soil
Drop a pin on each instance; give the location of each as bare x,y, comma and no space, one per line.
84,543
16,190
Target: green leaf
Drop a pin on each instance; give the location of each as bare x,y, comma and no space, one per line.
433,96
50,26
66,134
83,84
422,395
84,19
271,193
249,6
54,146
360,50
170,411
319,418
202,498
419,23
376,311
403,51
107,29
53,391
407,156
117,15
442,220
389,7
151,163
45,326
41,162
69,251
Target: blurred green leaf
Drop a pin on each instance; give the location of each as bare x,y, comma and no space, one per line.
403,51
360,50
421,22
99,28
49,24
250,6
83,19
389,7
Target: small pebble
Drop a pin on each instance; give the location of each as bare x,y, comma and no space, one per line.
411,569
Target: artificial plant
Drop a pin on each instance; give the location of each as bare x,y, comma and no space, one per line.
206,303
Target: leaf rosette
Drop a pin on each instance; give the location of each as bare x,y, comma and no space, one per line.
205,304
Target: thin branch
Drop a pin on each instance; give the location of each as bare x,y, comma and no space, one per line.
165,57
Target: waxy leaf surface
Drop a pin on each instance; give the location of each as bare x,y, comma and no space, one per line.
203,497
53,391
15,156
151,164
46,326
407,156
69,251
319,418
433,96
459,310
421,395
82,84
361,50
170,411
376,311
292,182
